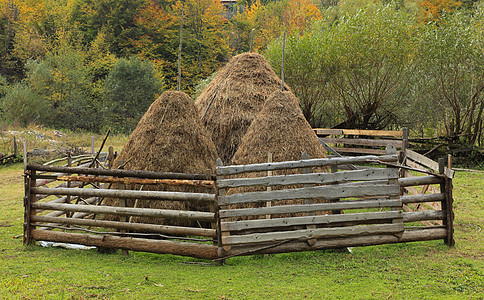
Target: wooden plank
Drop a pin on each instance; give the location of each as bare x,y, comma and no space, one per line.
325,131
118,172
317,162
325,192
135,244
415,165
310,220
361,150
164,229
314,178
421,180
426,234
318,233
289,209
363,142
419,158
127,194
128,211
422,198
423,216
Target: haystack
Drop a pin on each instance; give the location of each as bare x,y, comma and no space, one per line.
233,98
280,128
168,138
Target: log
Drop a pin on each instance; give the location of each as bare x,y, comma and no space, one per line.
422,198
326,192
361,150
125,180
296,246
164,229
314,178
118,172
317,162
135,244
127,194
423,180
357,218
289,209
423,216
128,211
307,234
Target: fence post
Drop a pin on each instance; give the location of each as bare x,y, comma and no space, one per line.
28,211
446,189
305,155
220,192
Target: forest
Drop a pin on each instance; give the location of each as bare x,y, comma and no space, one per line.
369,64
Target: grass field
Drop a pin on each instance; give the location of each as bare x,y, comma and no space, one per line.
422,270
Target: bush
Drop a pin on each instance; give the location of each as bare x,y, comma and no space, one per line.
130,88
22,106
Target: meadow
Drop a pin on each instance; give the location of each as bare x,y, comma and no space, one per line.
421,270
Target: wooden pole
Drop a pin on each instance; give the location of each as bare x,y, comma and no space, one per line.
25,157
136,244
221,192
251,40
283,57
15,148
92,145
178,88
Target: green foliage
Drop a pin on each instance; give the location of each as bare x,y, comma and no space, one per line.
352,72
451,70
21,105
130,88
62,80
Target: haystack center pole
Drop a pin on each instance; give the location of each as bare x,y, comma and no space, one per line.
252,40
283,56
179,50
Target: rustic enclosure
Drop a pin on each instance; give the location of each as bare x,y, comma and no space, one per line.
394,197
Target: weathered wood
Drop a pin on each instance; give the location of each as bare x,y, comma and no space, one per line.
135,244
314,178
296,246
128,194
361,150
325,131
310,220
164,229
306,234
317,162
423,216
300,208
422,198
221,192
423,160
128,211
363,142
305,156
127,180
326,192
118,172
422,180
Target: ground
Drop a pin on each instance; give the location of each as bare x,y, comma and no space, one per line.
420,270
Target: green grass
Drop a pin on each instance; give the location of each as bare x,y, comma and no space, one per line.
422,270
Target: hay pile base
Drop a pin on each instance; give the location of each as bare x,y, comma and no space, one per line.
234,98
168,138
280,128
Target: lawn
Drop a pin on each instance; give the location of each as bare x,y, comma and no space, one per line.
420,270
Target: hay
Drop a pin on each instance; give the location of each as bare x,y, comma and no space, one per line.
236,94
168,138
280,128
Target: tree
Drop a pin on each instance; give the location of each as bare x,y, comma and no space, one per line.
452,69
130,88
359,66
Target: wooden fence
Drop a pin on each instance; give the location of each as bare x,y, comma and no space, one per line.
389,198
67,212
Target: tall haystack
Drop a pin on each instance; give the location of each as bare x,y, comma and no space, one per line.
168,138
281,129
233,98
